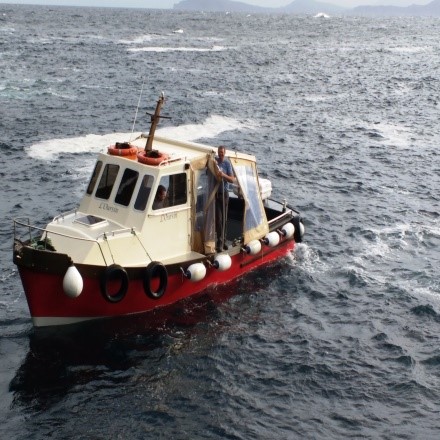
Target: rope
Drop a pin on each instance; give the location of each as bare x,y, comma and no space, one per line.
108,244
140,242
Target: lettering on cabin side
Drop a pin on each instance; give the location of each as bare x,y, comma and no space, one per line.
107,207
166,217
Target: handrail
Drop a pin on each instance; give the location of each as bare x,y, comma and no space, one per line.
65,214
284,214
104,235
28,225
18,221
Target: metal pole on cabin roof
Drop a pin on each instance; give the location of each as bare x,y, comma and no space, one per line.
154,121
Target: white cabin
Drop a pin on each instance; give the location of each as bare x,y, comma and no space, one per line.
118,221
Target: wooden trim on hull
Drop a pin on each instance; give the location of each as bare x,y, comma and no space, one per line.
49,305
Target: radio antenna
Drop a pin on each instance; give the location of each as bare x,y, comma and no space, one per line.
137,109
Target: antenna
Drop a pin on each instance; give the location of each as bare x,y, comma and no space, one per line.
137,109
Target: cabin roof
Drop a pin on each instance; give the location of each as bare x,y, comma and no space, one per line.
186,150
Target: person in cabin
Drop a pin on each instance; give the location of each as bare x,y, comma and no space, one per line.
161,200
225,173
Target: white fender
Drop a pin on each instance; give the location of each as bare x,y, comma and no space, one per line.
288,230
72,282
253,247
302,229
196,272
223,262
271,239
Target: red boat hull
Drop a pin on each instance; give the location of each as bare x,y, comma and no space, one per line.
49,305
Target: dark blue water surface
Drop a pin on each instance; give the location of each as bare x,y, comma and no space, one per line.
339,340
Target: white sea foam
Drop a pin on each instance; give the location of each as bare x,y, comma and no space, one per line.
400,230
387,241
140,39
213,126
411,50
306,258
430,292
176,49
211,40
318,98
91,143
370,250
7,30
433,230
393,134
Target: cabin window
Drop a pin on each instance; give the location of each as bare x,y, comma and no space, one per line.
176,191
126,187
94,177
144,193
107,181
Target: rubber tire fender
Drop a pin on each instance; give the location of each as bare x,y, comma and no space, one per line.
297,235
114,272
153,270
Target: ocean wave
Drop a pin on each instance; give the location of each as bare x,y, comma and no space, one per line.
177,49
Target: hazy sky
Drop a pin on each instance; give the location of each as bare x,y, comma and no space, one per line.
170,3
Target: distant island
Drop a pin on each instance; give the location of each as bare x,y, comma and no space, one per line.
432,9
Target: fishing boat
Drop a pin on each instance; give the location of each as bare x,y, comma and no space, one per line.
124,252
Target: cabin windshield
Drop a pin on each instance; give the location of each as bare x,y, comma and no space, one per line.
255,222
104,179
204,218
144,193
107,181
126,187
249,188
246,218
94,177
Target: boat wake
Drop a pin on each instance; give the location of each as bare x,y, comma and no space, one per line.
307,259
213,126
50,149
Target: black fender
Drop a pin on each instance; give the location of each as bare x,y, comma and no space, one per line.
297,220
114,272
155,270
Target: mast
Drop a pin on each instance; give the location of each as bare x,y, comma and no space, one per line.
154,121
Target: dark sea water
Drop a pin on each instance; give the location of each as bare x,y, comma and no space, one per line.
339,340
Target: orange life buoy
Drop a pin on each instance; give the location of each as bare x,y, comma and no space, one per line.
153,157
123,149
